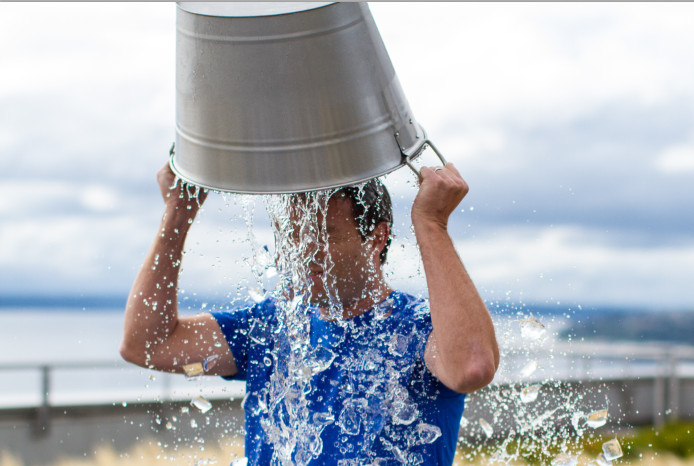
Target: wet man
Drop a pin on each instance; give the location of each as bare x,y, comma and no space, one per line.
395,391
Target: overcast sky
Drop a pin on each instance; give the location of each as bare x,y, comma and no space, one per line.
572,123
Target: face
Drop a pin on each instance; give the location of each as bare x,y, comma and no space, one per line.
355,260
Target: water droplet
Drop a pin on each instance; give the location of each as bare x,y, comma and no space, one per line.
531,328
239,462
193,424
185,410
125,404
529,394
256,294
202,404
271,272
486,427
464,422
169,426
267,361
529,368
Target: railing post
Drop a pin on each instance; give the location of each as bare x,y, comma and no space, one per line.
43,413
674,392
659,394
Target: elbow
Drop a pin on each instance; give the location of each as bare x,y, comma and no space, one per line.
129,354
476,376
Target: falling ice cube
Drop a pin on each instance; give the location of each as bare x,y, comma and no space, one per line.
202,404
398,345
531,328
428,433
239,462
319,360
405,413
210,362
464,422
259,332
486,427
597,418
562,459
193,371
602,461
349,421
612,450
256,294
529,368
271,272
323,419
529,394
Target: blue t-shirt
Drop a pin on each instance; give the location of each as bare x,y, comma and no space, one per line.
375,403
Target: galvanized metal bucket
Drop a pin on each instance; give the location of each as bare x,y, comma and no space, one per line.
287,97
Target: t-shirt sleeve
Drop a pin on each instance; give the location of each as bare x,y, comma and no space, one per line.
235,325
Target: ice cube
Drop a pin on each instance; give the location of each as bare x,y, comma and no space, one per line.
464,422
398,345
256,294
405,413
602,461
202,404
193,371
529,368
319,360
531,328
562,459
271,272
349,421
323,419
486,427
210,362
428,433
597,418
612,450
259,332
239,462
529,394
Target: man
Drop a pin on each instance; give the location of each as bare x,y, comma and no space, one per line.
392,391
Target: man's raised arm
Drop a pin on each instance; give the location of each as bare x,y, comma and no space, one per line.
153,335
462,351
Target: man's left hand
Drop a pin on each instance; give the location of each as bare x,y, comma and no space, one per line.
440,192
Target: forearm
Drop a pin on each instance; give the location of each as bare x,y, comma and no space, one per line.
464,347
151,313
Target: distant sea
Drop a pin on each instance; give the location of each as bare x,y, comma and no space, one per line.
44,331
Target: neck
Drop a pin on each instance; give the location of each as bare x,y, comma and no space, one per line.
377,293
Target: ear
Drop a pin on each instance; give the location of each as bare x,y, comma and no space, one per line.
379,236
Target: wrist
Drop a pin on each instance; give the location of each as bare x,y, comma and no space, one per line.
427,224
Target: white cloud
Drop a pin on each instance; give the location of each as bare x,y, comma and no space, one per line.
99,198
574,264
676,159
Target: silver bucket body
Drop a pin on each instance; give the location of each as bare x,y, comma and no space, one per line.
292,102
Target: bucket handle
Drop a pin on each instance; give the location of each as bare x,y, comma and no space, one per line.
408,159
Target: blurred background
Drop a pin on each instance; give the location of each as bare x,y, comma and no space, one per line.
572,123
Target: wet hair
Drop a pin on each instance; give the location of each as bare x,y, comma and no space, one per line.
371,205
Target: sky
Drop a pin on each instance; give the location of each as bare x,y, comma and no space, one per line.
573,124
